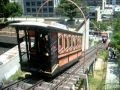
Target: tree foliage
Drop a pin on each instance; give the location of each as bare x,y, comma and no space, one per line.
116,14
13,9
3,4
102,26
116,35
68,9
9,9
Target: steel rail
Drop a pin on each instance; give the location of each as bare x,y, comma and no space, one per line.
33,86
67,76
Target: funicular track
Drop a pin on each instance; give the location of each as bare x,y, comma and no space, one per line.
65,80
24,84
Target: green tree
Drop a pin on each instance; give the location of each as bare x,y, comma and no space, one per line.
68,9
9,9
116,35
102,26
13,9
3,4
116,14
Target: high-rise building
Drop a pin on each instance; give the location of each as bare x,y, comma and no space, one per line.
31,7
100,3
114,2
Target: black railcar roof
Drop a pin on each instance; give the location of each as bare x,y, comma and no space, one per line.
41,26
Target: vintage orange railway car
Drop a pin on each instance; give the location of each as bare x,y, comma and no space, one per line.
50,48
104,36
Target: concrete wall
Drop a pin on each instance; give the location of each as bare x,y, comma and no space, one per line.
85,33
9,63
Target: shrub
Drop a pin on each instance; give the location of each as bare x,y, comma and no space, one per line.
104,55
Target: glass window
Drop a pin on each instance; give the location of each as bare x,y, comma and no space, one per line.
65,42
33,3
70,41
33,9
28,10
45,10
60,43
39,10
51,10
73,41
50,3
76,41
39,3
45,3
27,3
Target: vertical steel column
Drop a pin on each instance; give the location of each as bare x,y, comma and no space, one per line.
29,41
26,39
18,41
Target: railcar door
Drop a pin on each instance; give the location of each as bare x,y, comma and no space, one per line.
54,50
40,51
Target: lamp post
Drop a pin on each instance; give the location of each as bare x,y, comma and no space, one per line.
96,48
84,31
87,86
41,7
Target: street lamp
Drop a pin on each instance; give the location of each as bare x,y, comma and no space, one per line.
85,28
41,7
84,38
97,44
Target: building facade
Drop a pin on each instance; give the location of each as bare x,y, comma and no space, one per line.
113,2
94,13
31,7
100,3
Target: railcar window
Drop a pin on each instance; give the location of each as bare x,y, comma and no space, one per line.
69,41
74,41
78,41
65,42
60,42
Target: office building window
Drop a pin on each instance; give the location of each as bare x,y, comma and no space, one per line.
28,10
33,10
45,3
45,10
39,3
50,10
33,3
27,3
50,3
39,10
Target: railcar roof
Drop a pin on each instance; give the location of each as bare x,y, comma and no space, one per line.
51,26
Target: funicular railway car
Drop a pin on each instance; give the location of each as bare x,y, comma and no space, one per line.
104,36
50,48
